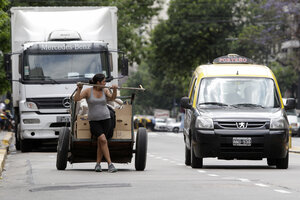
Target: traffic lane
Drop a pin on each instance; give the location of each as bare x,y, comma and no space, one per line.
34,175
256,172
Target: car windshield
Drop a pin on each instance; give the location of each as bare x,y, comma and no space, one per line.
64,67
291,112
238,92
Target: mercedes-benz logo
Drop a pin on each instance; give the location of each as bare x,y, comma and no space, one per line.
66,102
241,125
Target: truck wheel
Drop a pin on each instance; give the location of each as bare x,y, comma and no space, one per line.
187,156
195,162
271,162
283,163
62,149
141,149
17,136
176,130
25,145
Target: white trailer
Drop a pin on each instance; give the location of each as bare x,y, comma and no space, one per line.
52,49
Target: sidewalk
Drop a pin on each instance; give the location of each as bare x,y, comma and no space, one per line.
5,140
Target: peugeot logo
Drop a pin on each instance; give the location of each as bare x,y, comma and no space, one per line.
241,125
66,102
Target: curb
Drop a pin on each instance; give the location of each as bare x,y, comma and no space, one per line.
4,147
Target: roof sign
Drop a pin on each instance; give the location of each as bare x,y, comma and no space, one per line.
232,59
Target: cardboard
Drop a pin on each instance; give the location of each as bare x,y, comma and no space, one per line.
83,134
121,134
82,122
124,118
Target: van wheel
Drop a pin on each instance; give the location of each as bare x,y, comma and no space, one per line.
187,156
62,149
283,163
17,136
195,162
141,149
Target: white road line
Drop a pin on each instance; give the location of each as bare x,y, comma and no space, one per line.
179,164
261,185
244,180
212,175
201,171
165,159
283,191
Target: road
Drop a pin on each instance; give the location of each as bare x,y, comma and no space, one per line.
34,176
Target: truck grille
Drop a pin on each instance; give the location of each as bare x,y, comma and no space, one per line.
48,103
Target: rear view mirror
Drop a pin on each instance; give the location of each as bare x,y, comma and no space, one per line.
185,103
7,66
290,104
124,69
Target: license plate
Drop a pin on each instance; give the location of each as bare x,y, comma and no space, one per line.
63,119
241,141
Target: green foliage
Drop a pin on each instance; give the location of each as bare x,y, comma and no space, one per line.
286,76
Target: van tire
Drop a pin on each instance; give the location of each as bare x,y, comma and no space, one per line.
63,149
195,162
187,156
283,163
141,149
175,130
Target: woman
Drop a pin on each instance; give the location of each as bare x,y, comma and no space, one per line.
99,115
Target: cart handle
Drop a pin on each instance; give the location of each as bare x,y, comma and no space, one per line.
119,88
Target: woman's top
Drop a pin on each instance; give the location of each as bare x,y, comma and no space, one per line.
97,107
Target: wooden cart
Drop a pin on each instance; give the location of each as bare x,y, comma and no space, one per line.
76,145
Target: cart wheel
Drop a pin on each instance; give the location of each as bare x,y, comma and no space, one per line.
141,149
62,149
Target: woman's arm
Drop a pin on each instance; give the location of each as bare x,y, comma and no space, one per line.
111,96
80,95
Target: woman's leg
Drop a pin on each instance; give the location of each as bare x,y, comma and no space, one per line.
99,151
103,150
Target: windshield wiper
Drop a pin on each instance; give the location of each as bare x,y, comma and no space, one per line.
43,78
213,103
247,105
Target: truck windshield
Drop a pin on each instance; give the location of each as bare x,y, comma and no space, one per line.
64,67
237,92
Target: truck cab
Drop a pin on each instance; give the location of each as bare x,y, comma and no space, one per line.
50,54
234,110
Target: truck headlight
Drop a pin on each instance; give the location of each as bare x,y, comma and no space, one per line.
278,123
204,123
31,105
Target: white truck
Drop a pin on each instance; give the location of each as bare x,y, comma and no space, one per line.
53,48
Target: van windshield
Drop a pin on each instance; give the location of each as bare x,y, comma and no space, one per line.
249,92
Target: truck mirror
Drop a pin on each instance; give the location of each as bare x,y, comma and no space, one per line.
124,70
7,65
185,103
290,104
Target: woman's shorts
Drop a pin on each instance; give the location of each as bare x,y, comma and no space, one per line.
100,127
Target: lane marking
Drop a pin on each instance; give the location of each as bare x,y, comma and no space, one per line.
261,185
283,191
213,175
244,180
201,171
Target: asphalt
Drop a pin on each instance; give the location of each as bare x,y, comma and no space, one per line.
6,139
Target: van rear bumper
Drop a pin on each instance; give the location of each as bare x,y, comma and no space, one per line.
218,143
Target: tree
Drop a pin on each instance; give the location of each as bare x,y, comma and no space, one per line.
195,33
4,43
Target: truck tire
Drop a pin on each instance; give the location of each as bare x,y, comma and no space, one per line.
141,149
62,148
187,156
283,163
195,162
17,137
25,145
